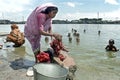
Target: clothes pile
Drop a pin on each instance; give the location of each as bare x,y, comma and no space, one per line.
43,57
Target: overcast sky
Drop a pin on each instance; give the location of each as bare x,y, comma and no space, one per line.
18,10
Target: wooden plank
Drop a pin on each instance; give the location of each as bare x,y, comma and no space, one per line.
68,61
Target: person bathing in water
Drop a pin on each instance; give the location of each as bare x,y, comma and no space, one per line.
110,46
57,46
62,58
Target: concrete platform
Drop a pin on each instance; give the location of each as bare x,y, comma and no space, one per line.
12,64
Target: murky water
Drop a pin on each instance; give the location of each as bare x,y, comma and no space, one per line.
93,62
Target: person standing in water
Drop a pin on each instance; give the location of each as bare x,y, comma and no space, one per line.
110,46
39,23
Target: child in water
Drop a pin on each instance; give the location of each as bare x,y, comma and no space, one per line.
111,46
57,46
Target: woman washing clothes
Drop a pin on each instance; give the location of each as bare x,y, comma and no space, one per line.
39,23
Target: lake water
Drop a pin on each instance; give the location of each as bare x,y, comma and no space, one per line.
93,62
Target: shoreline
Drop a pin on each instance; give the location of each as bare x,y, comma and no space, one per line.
12,64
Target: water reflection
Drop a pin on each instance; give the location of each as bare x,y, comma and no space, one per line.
111,54
19,51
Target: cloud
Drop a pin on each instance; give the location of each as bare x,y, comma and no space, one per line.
17,9
13,9
77,15
13,6
70,4
113,15
113,2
